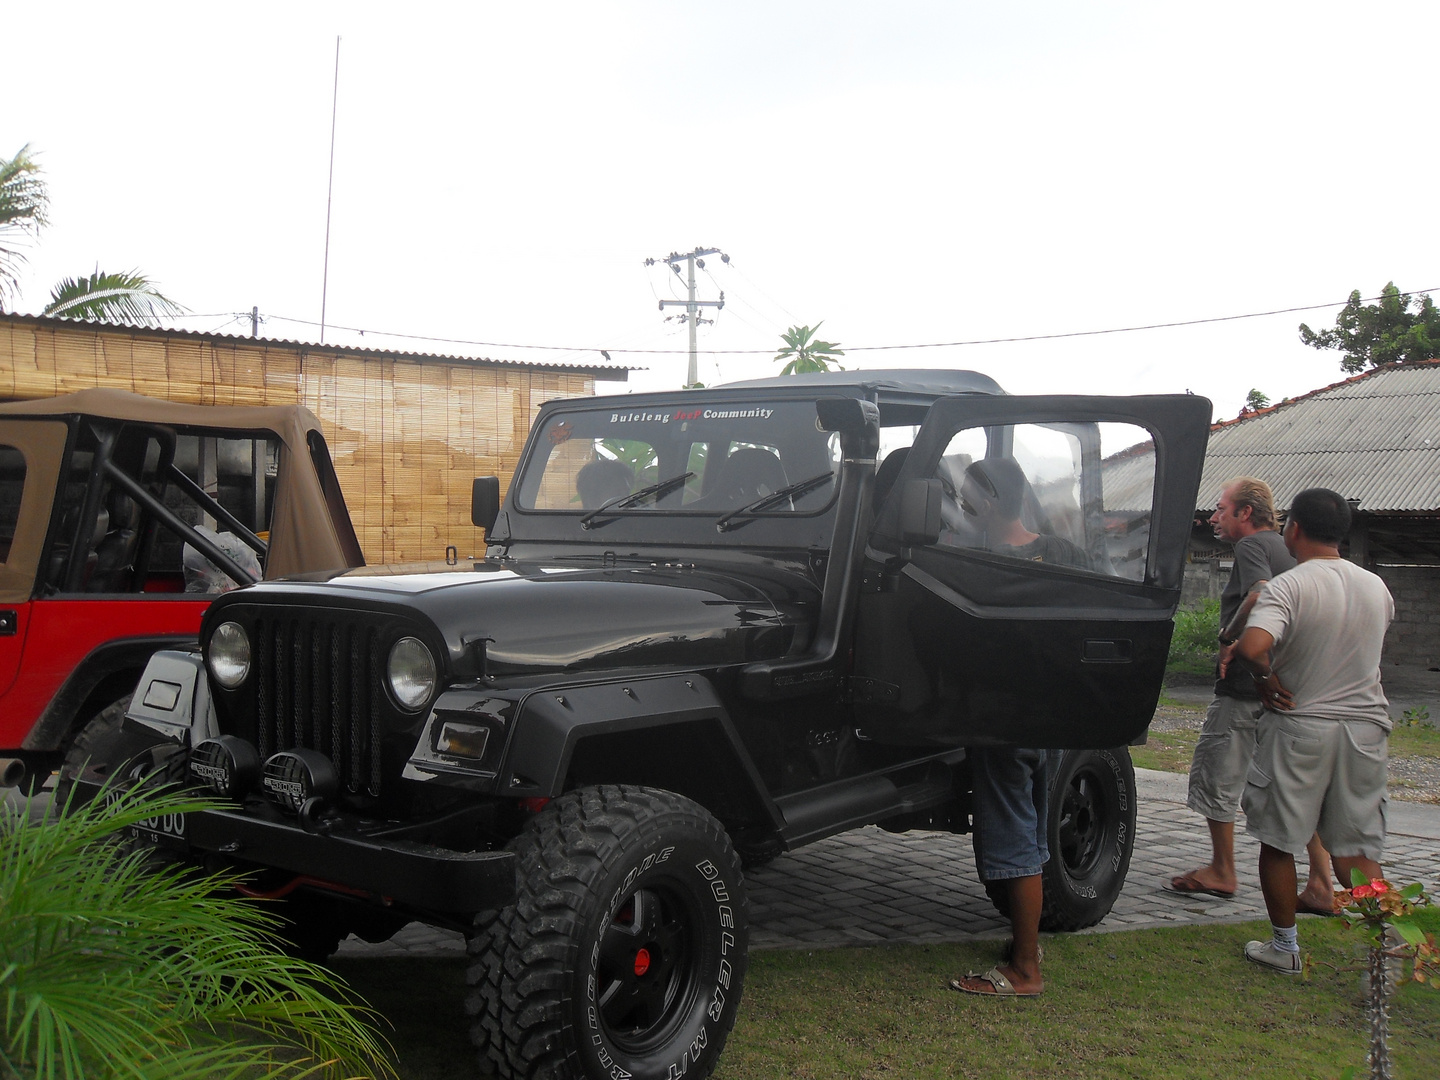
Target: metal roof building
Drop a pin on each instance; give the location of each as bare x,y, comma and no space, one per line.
1374,438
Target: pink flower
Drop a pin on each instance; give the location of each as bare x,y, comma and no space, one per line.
1379,887
1363,890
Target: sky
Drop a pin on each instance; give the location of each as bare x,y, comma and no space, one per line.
913,174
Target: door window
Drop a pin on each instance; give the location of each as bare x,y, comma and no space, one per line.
1071,495
12,487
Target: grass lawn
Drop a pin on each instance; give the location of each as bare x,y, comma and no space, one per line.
1415,740
1168,751
1177,1002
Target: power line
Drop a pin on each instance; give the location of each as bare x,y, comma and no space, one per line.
858,348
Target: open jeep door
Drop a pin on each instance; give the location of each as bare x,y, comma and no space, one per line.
1023,573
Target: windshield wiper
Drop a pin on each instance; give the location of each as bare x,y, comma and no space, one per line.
798,488
622,501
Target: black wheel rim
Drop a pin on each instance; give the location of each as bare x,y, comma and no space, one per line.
648,974
1085,822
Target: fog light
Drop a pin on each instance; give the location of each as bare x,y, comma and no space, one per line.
293,777
226,765
462,740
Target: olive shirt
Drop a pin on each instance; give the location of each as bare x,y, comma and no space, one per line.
1259,557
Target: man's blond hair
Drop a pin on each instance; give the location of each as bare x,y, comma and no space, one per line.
1256,494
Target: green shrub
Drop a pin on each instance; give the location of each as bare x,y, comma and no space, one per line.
1193,645
111,967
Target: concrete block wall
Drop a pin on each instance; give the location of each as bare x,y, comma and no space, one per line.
1414,636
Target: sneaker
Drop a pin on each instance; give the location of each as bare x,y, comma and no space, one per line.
1265,953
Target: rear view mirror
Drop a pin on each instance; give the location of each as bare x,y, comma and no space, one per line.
485,502
920,511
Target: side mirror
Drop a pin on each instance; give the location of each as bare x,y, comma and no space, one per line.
485,502
920,511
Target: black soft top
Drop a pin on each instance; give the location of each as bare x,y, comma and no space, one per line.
923,381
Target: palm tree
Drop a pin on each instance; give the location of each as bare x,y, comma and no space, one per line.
24,206
110,298
113,968
805,353
24,202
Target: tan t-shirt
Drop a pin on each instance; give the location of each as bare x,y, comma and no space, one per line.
1328,618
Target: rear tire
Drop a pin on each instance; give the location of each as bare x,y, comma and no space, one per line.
1091,836
624,953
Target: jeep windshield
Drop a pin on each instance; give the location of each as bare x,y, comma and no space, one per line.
731,460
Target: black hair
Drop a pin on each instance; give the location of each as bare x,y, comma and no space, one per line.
1003,479
1322,514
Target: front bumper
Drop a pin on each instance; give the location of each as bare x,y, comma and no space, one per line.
418,876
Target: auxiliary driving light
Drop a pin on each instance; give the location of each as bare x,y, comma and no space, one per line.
226,765
294,777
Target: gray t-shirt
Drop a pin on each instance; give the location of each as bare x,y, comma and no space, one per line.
1328,618
1258,557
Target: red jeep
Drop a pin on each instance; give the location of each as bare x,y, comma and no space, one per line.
121,517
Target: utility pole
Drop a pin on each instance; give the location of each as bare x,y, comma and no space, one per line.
692,306
254,322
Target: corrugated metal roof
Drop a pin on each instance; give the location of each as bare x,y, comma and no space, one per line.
1375,437
612,370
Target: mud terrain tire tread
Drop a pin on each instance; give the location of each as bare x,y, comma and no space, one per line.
528,975
89,742
1080,896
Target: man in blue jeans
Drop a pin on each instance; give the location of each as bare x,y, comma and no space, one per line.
1011,805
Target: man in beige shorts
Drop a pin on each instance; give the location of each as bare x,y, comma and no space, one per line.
1313,648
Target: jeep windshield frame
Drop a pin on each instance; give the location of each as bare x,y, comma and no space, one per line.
707,457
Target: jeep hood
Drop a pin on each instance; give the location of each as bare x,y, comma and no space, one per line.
537,619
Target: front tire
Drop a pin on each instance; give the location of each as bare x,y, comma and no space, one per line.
94,741
624,953
1091,836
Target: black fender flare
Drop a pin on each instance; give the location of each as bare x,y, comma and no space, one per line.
671,732
101,664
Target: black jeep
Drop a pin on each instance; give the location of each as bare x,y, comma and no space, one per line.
707,629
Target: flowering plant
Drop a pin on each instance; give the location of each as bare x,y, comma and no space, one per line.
1386,914
1374,905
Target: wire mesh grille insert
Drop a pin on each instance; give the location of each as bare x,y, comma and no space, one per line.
319,688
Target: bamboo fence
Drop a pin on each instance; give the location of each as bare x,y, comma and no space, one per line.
407,433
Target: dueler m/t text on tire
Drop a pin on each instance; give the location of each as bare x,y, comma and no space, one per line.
624,952
1091,838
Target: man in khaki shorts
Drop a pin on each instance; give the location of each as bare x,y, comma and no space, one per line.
1313,647
1245,517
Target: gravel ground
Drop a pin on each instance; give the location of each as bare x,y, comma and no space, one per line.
1412,779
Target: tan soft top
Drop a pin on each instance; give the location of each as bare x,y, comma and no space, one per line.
304,537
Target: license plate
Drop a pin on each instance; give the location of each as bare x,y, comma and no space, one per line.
164,830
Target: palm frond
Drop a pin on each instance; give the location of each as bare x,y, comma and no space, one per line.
103,297
24,209
110,967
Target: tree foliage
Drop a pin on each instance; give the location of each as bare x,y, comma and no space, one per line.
24,211
806,353
113,968
110,298
1386,332
24,205
1255,401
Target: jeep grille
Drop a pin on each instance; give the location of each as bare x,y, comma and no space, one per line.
318,687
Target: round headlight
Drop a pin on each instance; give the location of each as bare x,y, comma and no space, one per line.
229,655
412,672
